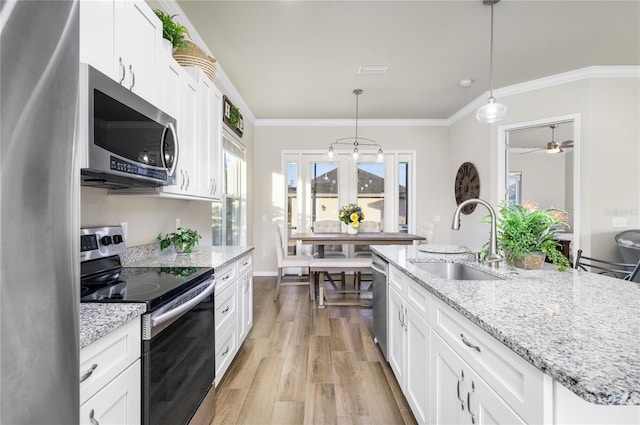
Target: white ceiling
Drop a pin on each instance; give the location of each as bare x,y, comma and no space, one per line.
299,59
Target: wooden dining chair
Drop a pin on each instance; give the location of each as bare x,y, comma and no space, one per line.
289,261
626,271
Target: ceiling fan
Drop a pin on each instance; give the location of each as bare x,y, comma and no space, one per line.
553,146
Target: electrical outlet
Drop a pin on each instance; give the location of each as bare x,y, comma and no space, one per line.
178,223
436,219
264,257
619,222
264,218
125,228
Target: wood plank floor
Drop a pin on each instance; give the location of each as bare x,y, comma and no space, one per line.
304,366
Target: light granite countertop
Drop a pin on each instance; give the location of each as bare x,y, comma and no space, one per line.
582,329
98,319
202,256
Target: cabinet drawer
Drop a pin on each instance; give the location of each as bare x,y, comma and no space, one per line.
226,308
226,347
225,277
397,280
106,358
520,384
118,402
244,264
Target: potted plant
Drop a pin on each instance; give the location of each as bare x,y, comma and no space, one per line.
351,215
183,240
172,31
526,234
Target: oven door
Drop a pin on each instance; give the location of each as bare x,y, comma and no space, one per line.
178,360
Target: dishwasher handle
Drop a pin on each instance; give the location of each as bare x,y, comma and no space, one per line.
169,315
377,268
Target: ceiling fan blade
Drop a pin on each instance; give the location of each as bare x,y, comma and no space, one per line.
566,144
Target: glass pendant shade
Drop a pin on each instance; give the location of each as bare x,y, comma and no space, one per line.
491,112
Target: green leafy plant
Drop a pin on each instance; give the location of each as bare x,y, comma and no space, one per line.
351,214
172,31
526,228
183,239
234,116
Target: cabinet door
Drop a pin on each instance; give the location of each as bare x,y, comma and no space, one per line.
417,371
448,383
215,152
245,298
140,41
172,93
396,337
118,403
485,406
205,120
97,42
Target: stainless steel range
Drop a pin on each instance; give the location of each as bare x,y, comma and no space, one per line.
177,329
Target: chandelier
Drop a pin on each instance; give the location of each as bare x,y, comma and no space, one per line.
491,111
356,141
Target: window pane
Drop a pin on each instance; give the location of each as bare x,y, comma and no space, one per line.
232,221
292,195
324,191
403,201
216,222
231,174
371,191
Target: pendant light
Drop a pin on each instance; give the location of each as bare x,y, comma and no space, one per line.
357,141
492,111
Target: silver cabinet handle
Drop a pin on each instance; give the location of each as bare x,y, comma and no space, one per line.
183,179
88,373
469,344
225,278
215,187
458,388
225,310
473,415
122,69
92,419
186,174
133,77
406,328
225,351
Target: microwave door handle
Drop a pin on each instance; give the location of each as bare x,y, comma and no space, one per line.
177,149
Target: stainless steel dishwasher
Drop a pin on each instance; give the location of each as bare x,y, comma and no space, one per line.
380,272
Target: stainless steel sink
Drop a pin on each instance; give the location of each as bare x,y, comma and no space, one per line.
456,271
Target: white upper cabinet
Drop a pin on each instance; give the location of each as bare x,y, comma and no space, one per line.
122,39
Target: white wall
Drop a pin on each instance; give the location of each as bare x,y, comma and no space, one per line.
609,138
543,177
432,157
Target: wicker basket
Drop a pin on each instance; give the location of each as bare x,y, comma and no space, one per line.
192,55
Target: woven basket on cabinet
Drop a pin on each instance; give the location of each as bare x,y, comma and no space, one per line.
192,55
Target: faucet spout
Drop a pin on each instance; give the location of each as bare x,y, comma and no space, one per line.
494,258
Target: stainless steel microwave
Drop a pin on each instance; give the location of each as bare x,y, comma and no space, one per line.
124,140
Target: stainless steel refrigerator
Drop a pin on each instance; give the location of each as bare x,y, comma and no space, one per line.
39,213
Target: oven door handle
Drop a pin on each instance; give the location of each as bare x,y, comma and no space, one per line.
169,315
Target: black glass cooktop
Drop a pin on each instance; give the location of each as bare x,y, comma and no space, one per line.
151,285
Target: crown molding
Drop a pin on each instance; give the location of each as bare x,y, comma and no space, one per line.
350,123
545,82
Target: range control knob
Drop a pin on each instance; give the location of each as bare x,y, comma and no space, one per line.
105,240
117,239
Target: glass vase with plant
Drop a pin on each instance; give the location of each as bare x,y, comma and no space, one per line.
171,30
183,239
525,228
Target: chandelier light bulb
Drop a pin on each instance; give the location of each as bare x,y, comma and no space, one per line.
355,154
331,153
380,155
491,112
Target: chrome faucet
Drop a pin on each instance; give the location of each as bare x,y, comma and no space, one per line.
493,257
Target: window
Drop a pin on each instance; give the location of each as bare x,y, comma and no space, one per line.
229,216
317,187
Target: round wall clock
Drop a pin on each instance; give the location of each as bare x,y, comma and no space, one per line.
467,186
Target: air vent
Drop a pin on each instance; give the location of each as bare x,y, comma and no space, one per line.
373,69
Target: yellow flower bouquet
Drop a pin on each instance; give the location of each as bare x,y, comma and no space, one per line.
352,215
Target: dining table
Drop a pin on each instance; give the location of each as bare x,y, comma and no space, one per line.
360,238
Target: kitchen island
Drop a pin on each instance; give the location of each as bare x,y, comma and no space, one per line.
578,328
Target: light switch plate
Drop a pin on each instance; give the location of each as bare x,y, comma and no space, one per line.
619,222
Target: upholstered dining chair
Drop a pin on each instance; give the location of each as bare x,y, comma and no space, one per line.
289,261
329,226
366,227
624,271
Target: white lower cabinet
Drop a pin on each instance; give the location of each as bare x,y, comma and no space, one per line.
409,341
460,396
117,403
233,311
110,378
